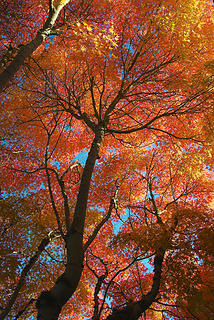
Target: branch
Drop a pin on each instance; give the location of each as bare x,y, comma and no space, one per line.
64,194
20,313
108,286
135,309
24,273
113,205
29,48
51,192
100,281
50,303
173,135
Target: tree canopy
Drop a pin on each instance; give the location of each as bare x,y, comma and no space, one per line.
106,159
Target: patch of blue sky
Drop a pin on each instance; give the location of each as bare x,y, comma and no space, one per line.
81,157
4,143
32,188
56,163
53,253
102,210
49,41
118,224
67,127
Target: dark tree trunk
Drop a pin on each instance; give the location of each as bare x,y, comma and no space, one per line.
135,309
50,302
19,60
26,50
23,276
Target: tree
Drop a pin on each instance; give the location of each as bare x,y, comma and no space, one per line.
106,167
18,17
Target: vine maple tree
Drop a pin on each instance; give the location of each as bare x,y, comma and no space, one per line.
106,142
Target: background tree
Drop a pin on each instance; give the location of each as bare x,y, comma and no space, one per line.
108,167
31,25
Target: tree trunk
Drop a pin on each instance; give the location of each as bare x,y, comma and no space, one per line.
30,47
23,276
50,302
135,309
19,60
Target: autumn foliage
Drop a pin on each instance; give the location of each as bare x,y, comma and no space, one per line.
106,145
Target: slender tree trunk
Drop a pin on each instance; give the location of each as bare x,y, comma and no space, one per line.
135,309
50,302
23,276
30,47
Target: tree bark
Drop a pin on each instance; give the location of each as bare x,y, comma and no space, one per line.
50,302
23,276
30,47
135,309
